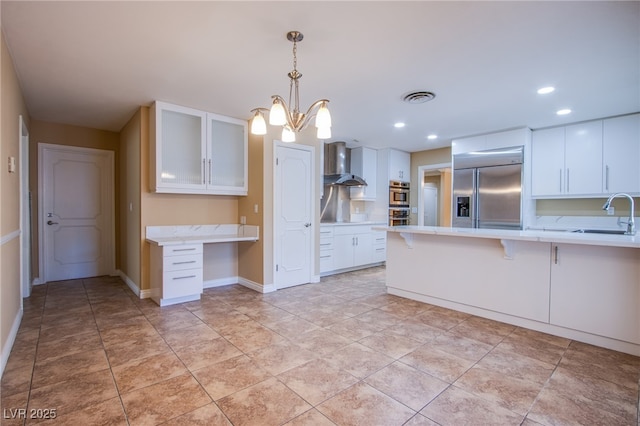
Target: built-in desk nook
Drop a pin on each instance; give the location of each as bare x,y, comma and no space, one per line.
177,257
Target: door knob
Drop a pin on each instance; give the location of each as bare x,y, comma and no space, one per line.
306,225
50,222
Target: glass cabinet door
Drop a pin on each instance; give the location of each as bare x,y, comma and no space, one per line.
182,161
227,144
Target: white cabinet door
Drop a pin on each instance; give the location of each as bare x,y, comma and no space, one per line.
178,137
547,162
596,289
227,156
621,154
583,158
362,254
343,251
364,164
474,143
399,165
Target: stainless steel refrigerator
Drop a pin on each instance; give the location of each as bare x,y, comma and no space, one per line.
487,189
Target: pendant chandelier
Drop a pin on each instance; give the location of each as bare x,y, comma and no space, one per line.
292,120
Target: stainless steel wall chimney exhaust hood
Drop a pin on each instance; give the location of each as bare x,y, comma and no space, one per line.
337,166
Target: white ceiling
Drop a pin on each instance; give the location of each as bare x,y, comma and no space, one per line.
94,63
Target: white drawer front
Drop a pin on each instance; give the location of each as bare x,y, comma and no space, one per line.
182,249
326,261
182,283
379,254
178,263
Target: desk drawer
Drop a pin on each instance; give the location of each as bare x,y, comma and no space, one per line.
178,263
182,249
182,283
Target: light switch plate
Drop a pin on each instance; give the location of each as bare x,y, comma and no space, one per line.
12,164
611,211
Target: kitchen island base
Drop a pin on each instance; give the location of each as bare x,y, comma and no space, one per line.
585,292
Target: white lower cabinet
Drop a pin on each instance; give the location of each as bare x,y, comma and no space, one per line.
176,273
596,289
326,249
345,247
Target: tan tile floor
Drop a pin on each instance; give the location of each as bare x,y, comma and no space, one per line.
338,352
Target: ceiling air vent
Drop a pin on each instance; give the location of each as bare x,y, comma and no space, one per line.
419,97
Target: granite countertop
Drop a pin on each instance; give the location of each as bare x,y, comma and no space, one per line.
555,236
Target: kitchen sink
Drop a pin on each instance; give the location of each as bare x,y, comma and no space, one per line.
600,231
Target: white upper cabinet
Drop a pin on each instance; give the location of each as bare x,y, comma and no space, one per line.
567,161
621,154
364,163
194,152
583,158
227,155
399,165
547,158
587,160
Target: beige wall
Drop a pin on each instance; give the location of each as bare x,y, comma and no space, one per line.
12,105
250,255
583,207
64,134
129,250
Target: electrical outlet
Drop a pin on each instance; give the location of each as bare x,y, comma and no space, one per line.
255,208
611,211
243,220
12,164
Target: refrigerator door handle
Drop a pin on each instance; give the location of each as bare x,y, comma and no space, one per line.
475,198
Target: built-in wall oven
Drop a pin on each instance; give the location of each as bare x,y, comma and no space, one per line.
398,216
398,203
398,194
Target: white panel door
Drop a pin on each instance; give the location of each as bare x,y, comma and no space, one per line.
76,212
293,188
430,208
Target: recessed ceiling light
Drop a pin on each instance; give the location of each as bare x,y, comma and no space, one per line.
398,125
564,111
546,90
432,137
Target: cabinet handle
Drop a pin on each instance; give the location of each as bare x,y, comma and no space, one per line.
606,178
325,257
185,249
184,263
209,171
184,278
204,171
567,180
555,255
325,244
560,180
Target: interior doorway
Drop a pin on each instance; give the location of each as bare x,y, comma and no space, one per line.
434,193
76,212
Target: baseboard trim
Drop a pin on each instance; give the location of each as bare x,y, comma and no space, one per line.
219,282
11,338
129,282
268,288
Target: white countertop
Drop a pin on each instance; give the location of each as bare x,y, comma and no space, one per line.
369,222
201,234
528,235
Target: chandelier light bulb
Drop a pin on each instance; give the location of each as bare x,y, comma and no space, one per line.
288,135
258,125
277,115
323,117
324,133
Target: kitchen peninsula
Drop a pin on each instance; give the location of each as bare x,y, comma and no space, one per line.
581,286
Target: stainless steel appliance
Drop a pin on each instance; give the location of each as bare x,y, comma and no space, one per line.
398,194
334,206
487,189
398,216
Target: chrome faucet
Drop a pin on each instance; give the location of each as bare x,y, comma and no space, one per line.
631,226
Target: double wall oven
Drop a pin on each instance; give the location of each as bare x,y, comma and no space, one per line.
398,203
